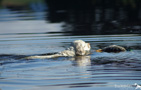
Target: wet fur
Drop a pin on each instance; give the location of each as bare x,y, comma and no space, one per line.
79,48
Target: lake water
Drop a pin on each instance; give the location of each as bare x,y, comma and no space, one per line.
23,34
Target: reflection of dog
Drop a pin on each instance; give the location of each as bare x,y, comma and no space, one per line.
78,48
82,60
112,48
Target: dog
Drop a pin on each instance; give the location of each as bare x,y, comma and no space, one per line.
78,48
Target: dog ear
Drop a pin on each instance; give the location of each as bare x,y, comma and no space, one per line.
89,46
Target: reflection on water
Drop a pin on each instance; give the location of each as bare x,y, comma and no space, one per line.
82,60
91,17
96,71
96,16
29,27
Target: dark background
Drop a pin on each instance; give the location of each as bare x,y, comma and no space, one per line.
86,17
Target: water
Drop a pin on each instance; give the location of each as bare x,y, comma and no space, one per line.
96,71
31,34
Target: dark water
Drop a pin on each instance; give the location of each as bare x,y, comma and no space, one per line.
27,32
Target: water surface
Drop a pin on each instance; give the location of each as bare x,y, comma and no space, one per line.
96,71
25,32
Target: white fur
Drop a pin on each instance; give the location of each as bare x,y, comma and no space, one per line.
78,48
